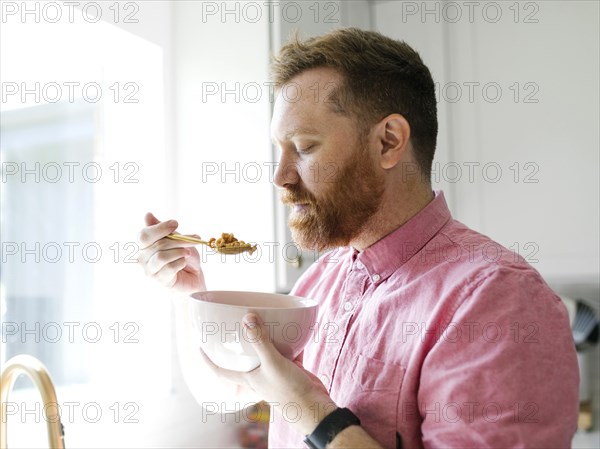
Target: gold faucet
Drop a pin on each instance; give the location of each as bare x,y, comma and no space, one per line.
37,372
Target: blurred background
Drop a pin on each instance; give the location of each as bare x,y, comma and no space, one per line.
113,109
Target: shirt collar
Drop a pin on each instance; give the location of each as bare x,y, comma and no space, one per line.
385,256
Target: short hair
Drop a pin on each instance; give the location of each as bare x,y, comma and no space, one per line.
381,76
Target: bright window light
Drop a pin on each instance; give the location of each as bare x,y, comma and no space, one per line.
83,158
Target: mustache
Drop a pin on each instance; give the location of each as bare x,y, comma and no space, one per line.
295,194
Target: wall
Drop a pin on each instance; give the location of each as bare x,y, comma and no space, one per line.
222,134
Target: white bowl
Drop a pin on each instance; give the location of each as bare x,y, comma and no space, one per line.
216,318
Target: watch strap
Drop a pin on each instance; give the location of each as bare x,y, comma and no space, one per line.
330,427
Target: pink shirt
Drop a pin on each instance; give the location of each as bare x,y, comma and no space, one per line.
439,337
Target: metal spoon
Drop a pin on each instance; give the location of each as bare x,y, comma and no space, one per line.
230,250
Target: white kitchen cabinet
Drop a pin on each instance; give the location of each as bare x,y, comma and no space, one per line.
528,132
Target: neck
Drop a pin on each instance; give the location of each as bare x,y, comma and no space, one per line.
397,207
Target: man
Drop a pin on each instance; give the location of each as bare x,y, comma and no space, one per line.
429,334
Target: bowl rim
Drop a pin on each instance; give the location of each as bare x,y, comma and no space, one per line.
304,303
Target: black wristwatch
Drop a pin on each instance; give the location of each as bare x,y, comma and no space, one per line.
331,425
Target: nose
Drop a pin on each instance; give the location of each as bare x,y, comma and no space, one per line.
287,172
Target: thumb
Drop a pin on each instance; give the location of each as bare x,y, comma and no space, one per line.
151,219
258,335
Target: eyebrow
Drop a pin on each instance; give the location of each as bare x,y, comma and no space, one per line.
296,131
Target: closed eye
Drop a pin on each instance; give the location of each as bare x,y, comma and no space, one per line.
305,150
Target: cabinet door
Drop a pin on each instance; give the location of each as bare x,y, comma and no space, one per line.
518,109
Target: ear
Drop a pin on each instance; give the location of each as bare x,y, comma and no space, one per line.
393,136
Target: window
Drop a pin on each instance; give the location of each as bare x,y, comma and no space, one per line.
83,158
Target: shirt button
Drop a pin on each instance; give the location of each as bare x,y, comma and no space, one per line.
360,265
325,380
376,278
348,306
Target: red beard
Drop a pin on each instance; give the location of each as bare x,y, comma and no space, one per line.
342,211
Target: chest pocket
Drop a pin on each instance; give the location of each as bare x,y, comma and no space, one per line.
373,375
376,387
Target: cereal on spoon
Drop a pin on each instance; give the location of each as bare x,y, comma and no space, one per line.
228,242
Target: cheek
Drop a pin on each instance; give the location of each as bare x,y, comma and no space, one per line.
307,174
305,170
319,175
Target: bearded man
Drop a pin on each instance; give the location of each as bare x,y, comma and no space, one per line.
424,341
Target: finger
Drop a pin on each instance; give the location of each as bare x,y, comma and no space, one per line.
164,244
168,274
150,219
151,234
233,376
161,258
258,335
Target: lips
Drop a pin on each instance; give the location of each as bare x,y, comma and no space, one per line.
296,199
293,202
300,207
